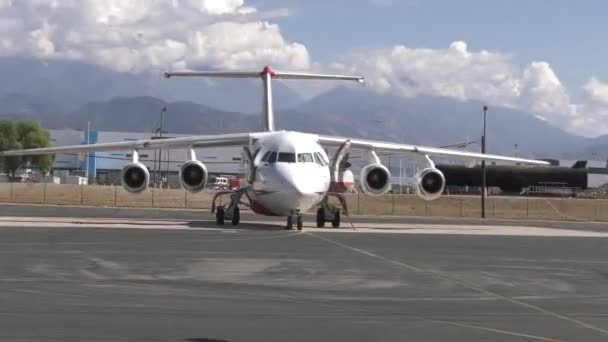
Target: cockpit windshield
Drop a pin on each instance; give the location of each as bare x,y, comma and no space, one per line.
287,157
319,159
305,158
272,157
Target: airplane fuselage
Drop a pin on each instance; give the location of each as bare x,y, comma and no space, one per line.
292,173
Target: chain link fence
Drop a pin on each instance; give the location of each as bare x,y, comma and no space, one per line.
501,207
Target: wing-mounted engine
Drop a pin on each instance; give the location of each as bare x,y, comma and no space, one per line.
375,178
135,175
193,174
430,183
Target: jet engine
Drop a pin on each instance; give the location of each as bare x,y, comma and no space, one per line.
431,183
135,177
193,175
375,179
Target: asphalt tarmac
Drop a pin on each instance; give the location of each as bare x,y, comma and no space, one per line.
260,283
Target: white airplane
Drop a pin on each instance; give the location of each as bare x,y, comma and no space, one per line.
288,173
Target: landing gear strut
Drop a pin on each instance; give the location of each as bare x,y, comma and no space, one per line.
330,213
297,217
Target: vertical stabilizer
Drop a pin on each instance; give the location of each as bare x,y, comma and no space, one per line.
267,111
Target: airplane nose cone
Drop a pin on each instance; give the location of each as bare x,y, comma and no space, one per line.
295,184
297,188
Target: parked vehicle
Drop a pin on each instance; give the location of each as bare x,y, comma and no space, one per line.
235,183
221,183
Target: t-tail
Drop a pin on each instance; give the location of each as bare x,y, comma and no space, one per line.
266,75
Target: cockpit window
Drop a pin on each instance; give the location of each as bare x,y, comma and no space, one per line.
272,158
266,156
287,157
305,158
257,151
319,159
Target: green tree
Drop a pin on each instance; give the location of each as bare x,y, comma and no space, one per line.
22,135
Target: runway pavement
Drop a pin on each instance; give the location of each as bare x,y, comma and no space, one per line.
84,274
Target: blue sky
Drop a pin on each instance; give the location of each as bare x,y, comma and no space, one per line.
540,56
570,35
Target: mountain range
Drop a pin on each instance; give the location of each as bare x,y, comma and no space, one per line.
62,94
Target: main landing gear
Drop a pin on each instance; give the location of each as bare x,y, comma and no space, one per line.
328,212
297,217
230,212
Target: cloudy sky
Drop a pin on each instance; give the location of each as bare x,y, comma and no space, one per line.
543,56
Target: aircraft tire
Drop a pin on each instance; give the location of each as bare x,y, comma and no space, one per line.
320,218
236,216
289,223
336,221
219,216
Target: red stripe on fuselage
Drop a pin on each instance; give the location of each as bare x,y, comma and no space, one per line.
258,208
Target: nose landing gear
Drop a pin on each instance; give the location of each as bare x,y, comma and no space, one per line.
297,217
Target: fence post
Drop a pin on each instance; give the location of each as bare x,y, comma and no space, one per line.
527,205
152,190
12,199
392,203
44,193
185,199
115,195
81,194
461,206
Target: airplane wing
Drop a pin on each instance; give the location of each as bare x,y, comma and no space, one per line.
219,140
380,146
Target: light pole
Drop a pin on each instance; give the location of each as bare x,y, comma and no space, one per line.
86,171
483,165
159,131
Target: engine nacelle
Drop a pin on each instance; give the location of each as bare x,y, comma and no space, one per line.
375,179
135,177
193,175
431,183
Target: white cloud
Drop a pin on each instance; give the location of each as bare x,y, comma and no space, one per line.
596,91
453,72
490,77
148,34
594,120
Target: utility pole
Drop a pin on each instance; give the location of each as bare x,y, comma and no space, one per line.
159,131
483,166
86,170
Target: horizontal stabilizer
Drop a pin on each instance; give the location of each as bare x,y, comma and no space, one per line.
266,75
275,74
222,74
